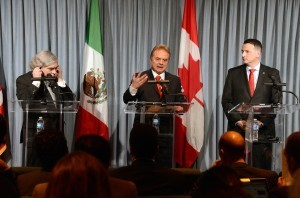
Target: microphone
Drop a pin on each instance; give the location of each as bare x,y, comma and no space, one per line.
163,86
158,82
274,83
278,86
52,83
165,89
52,80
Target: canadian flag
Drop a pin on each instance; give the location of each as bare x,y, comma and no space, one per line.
190,126
3,146
1,102
92,115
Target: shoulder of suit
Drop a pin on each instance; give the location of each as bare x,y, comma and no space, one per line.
237,68
270,70
26,75
264,171
147,71
267,67
243,67
169,75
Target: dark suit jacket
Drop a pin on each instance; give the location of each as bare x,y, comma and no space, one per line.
245,171
27,91
236,90
149,93
151,179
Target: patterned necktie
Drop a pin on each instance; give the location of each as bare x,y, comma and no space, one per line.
159,87
251,81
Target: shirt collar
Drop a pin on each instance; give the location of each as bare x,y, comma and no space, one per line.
162,75
257,67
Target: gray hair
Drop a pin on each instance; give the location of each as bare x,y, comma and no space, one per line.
43,59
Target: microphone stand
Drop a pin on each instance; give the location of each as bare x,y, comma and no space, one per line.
51,84
277,86
297,99
164,90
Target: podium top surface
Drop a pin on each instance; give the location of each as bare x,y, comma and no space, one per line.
243,108
44,106
157,107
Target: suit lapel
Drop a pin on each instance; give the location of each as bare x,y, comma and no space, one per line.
245,79
261,76
168,77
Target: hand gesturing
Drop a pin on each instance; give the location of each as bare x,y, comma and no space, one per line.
138,81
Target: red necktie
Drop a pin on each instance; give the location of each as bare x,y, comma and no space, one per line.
159,87
251,81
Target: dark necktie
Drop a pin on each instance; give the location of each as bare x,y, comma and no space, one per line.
159,87
251,81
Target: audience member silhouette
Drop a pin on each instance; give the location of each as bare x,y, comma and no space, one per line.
100,148
294,189
149,178
8,187
220,181
292,154
232,153
78,174
50,146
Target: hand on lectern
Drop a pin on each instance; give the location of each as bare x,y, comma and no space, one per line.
260,124
178,108
241,124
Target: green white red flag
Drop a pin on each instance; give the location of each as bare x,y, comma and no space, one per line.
92,114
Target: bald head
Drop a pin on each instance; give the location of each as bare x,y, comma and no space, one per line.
231,146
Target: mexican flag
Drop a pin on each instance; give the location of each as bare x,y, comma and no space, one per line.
92,114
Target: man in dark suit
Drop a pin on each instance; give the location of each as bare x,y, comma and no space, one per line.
141,90
48,86
150,178
246,84
287,185
232,153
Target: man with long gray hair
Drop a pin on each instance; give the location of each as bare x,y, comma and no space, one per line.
43,83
